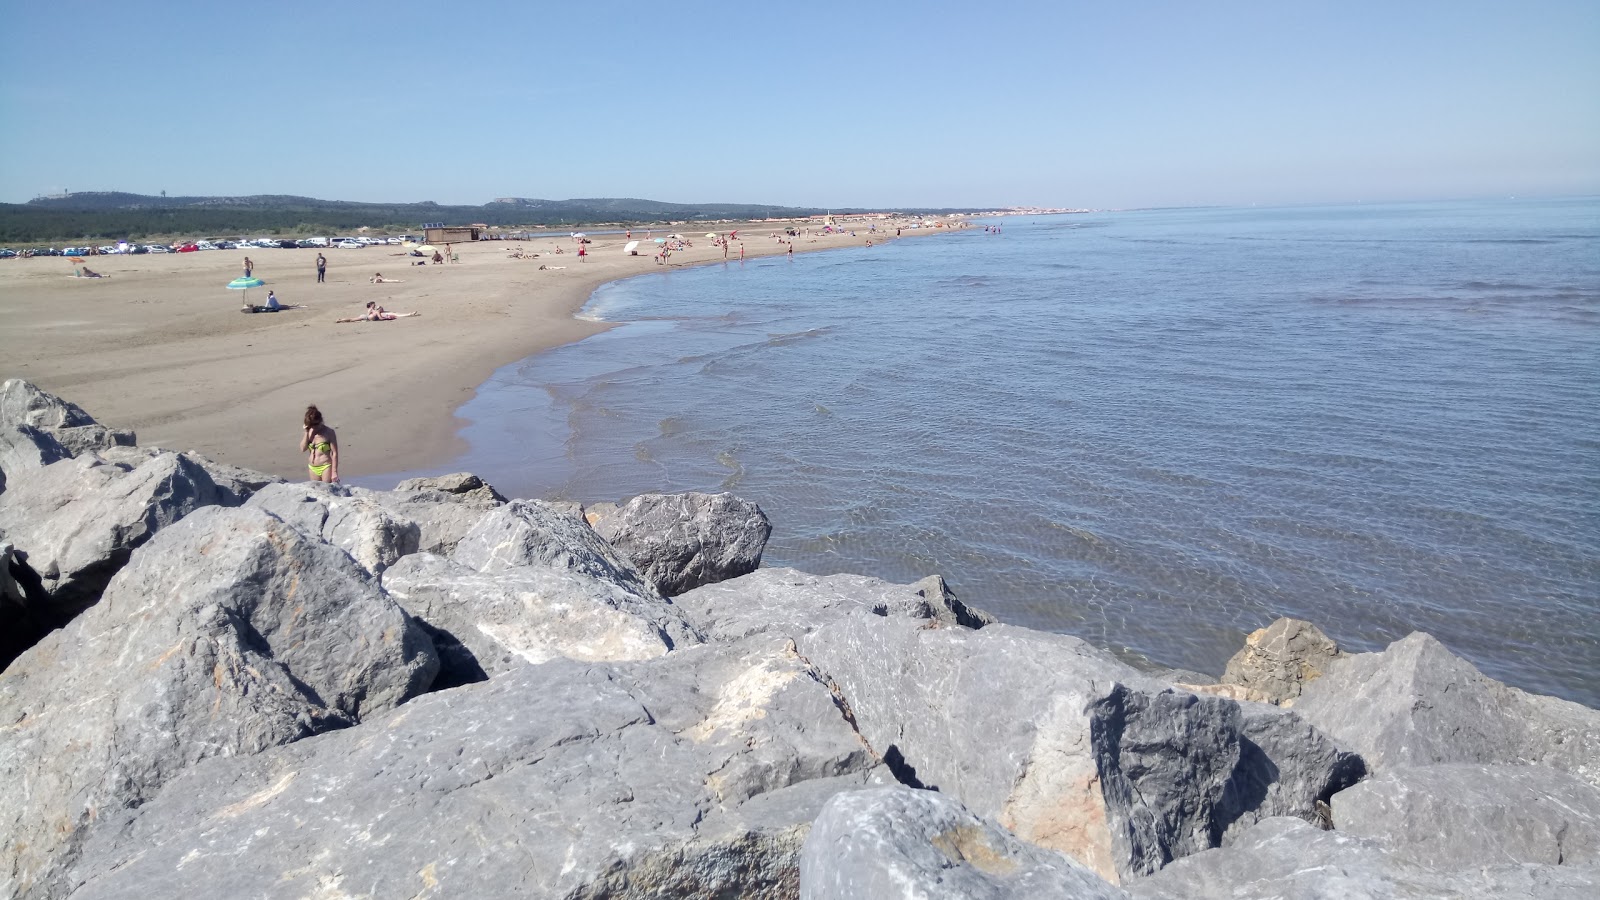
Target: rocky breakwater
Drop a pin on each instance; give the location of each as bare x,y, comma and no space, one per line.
224,685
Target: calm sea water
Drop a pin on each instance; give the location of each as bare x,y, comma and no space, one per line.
1155,430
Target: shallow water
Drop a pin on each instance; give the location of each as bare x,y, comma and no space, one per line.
1155,430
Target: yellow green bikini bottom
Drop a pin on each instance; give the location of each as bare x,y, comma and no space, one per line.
319,471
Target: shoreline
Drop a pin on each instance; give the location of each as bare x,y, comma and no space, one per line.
160,347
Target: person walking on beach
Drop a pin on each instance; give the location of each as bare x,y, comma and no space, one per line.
449,252
322,268
248,265
583,250
322,444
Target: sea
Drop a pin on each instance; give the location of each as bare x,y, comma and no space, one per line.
1155,430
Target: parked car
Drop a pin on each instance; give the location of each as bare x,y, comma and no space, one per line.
75,251
159,248
289,245
138,249
7,254
349,245
226,245
205,245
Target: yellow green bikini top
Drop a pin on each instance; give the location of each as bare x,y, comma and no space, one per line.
320,447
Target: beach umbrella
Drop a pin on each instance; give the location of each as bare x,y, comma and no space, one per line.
428,248
661,240
632,245
245,284
711,234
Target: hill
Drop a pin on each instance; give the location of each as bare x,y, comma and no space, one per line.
113,215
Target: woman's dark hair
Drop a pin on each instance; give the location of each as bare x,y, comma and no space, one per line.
313,417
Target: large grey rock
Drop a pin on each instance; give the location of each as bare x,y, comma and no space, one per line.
462,485
229,633
1054,739
893,842
21,403
25,449
790,603
537,533
682,541
694,776
1462,815
1286,859
372,535
77,520
1286,768
485,624
442,519
1278,659
236,482
1416,704
947,607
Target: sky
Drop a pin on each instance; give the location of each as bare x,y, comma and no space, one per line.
881,104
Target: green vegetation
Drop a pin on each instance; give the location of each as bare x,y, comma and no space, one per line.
107,216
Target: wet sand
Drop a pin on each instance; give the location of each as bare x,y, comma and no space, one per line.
160,346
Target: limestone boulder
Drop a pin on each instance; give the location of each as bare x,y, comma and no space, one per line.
1417,704
462,485
898,842
683,541
486,624
695,776
1286,768
1287,859
1061,743
947,607
442,519
373,536
790,603
1278,659
77,520
25,449
227,634
540,534
236,482
21,403
1464,815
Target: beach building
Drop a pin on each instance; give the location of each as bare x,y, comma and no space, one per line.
450,234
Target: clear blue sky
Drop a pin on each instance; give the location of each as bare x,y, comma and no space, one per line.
827,104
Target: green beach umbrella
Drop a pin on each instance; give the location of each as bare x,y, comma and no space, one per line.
245,284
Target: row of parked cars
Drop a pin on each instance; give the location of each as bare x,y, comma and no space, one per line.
321,243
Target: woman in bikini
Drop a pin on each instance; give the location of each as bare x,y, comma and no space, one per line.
323,445
376,313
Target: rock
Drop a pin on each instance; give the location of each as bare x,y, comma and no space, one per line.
1286,859
1416,704
22,403
1231,691
897,842
236,482
1054,739
695,775
948,608
536,533
1460,816
366,530
442,519
1279,659
462,484
25,449
88,438
228,633
486,624
790,603
77,520
682,541
1286,768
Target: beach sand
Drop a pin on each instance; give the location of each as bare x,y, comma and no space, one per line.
160,346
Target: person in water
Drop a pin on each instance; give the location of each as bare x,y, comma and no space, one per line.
323,445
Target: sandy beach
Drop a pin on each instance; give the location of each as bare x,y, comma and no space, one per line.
161,347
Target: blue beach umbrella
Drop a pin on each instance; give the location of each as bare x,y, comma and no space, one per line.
245,284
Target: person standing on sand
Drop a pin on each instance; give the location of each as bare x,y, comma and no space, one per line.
583,251
248,265
449,252
323,446
322,268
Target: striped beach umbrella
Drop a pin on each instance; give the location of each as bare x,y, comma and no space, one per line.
245,284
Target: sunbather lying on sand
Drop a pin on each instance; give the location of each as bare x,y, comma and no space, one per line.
377,278
376,313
